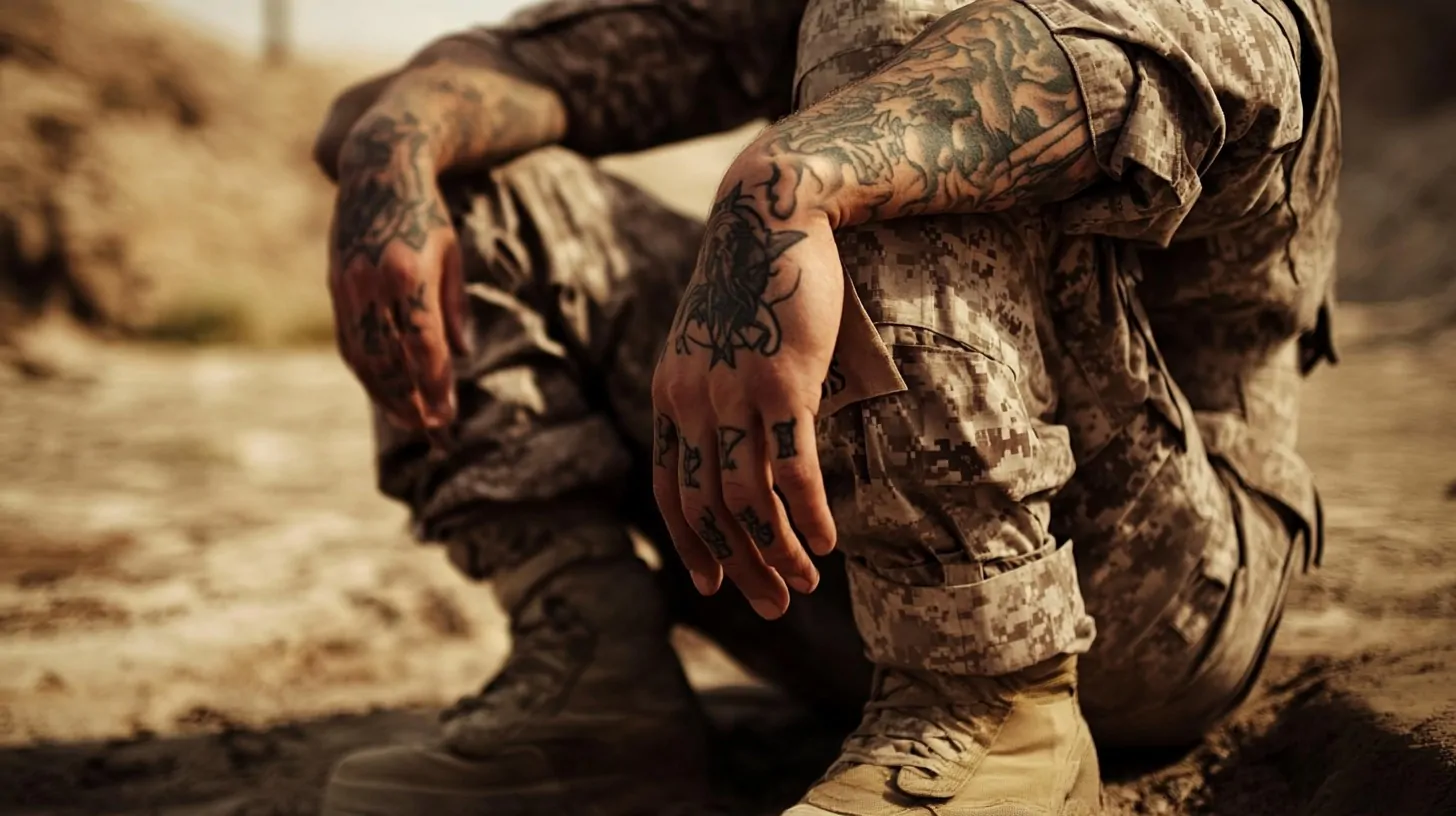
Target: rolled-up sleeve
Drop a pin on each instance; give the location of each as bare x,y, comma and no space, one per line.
635,74
1191,104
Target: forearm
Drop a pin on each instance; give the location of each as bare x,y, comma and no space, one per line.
457,104
980,113
652,72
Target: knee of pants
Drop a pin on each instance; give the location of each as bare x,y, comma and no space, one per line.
939,491
1186,585
525,435
602,262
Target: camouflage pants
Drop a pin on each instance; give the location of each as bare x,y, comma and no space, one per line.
1037,411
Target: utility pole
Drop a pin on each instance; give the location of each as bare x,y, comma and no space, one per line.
276,40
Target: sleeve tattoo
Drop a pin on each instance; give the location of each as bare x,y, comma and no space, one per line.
981,112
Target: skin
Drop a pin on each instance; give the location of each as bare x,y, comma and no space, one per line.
981,113
394,260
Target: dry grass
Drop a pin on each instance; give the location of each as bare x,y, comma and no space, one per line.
155,182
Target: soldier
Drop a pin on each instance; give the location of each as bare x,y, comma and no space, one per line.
1012,312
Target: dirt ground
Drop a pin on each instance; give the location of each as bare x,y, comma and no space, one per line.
203,603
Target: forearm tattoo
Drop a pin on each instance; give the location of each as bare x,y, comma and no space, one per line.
387,190
387,197
981,112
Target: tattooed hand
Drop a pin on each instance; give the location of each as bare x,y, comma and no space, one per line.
736,392
394,275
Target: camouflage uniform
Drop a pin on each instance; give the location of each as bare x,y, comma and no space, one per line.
1149,336
1038,425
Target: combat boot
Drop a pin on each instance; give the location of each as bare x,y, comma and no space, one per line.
591,714
1014,745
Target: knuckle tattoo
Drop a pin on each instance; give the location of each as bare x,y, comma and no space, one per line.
729,437
666,439
785,439
713,536
692,462
762,532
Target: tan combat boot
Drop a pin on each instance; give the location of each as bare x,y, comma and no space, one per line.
985,746
590,715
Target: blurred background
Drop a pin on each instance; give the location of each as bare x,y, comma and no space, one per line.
199,587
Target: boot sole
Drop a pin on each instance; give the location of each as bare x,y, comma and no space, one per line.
593,796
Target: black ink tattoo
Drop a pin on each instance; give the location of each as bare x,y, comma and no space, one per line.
835,383
784,437
981,112
386,197
371,331
759,530
729,308
692,461
666,439
713,536
728,439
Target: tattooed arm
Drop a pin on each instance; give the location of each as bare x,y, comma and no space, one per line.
597,78
980,113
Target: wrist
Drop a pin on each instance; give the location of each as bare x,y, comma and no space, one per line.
795,191
381,142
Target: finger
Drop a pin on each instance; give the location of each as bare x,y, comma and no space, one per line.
749,496
415,318
706,573
793,459
370,347
708,515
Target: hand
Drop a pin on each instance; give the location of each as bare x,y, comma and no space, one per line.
735,396
395,278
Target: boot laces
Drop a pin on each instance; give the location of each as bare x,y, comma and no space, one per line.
911,722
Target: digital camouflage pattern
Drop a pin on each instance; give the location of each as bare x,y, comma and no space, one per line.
1152,333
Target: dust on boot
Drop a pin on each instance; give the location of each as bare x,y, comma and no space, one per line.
1014,745
591,713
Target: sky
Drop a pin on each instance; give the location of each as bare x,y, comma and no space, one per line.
383,28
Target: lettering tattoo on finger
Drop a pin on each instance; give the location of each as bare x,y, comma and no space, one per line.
785,439
728,439
666,439
692,462
713,535
759,530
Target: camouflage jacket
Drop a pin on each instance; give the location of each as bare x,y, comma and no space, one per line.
1217,121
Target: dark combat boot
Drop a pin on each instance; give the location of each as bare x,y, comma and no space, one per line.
591,714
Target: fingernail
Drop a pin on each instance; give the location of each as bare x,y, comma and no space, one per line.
766,609
705,585
803,585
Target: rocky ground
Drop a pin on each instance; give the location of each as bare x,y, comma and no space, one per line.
203,603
